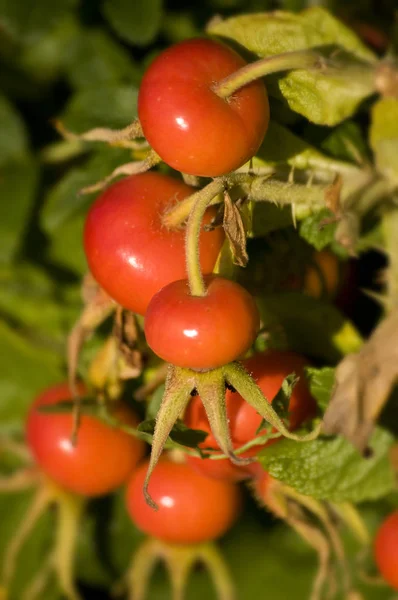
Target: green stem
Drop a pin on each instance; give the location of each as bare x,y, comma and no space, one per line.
264,189
176,216
301,59
211,557
139,573
201,202
70,508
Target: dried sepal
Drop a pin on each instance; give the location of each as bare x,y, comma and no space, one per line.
102,134
175,399
131,168
236,375
179,561
235,231
211,389
363,384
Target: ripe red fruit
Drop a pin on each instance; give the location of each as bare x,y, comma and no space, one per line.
201,332
192,128
129,251
192,508
269,370
103,457
386,549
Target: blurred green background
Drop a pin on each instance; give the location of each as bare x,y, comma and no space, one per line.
81,62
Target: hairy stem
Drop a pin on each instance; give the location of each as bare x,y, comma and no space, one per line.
192,235
301,59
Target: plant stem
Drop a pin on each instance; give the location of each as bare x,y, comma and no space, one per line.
202,200
264,189
301,59
176,216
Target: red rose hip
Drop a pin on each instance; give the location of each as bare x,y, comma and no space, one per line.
129,251
192,508
386,549
201,332
192,128
102,458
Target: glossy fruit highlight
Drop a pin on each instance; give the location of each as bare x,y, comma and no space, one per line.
129,251
103,457
190,127
201,332
192,508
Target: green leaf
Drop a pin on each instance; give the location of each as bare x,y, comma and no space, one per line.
267,217
66,246
326,96
384,137
321,382
180,434
13,140
332,469
281,401
155,402
103,106
88,406
32,299
316,230
34,552
64,202
346,142
136,22
26,20
107,520
95,59
44,58
309,326
25,369
18,181
281,146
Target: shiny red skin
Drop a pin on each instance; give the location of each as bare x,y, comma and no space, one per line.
386,549
191,128
269,370
103,458
201,332
129,251
192,508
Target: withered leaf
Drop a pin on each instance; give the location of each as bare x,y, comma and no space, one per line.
333,194
97,307
126,333
235,231
363,384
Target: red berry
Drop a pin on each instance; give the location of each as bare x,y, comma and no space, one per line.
201,332
192,128
269,370
103,457
129,251
192,508
386,549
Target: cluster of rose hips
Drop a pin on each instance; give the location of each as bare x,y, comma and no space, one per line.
198,499
200,323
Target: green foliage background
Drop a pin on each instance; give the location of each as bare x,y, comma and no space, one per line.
81,62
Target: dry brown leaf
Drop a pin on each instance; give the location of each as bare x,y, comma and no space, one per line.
363,384
126,332
98,306
235,231
333,195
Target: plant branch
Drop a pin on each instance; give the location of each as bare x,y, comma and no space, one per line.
301,59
